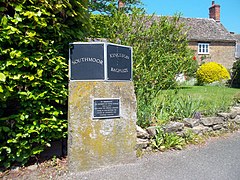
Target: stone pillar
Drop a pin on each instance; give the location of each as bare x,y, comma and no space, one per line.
98,142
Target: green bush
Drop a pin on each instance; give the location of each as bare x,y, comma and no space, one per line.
211,72
33,80
160,51
236,74
164,141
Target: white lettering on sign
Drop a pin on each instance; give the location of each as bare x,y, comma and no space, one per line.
117,70
87,59
119,55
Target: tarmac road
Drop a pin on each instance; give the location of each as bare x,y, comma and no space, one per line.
218,159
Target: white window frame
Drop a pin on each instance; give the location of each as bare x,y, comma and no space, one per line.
203,48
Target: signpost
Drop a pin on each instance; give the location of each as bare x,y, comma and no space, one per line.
99,61
102,106
85,65
119,63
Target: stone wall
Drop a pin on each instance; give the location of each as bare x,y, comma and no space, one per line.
220,52
199,125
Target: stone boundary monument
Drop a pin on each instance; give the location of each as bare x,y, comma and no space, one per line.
101,106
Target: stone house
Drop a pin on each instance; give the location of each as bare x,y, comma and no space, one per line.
210,40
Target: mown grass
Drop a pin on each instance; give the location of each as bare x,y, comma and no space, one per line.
213,98
187,100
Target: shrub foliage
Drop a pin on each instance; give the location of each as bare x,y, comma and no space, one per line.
33,79
160,51
236,74
211,72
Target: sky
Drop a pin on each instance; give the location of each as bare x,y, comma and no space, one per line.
229,10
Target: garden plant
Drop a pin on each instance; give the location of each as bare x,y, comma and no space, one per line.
211,72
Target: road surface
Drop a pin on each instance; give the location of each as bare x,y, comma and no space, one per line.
218,159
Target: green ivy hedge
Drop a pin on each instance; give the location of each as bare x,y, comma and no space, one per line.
33,78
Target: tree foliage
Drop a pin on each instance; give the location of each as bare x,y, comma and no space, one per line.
160,51
34,37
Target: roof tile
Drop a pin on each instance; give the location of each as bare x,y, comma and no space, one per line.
201,29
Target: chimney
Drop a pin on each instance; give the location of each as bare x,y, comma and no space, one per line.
214,12
121,4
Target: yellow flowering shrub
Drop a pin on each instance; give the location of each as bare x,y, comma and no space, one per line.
211,72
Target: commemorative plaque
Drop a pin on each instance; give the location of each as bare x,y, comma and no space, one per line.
106,108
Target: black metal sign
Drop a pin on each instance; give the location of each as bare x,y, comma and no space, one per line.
106,108
100,61
87,62
119,63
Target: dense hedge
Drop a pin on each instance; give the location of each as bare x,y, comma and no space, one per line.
34,41
160,51
236,74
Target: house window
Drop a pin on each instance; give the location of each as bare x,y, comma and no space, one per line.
203,48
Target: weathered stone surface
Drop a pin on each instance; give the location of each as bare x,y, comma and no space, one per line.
94,143
197,115
181,133
141,133
236,119
222,57
32,167
173,127
236,108
142,143
217,127
224,115
225,124
210,121
233,114
189,122
148,149
201,129
152,131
